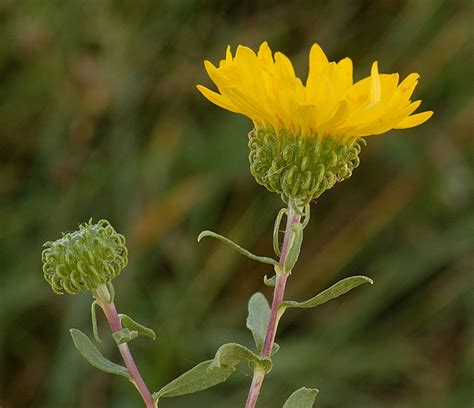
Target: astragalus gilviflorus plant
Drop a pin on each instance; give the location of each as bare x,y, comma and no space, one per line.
305,139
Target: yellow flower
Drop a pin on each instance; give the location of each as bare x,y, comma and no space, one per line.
307,137
265,88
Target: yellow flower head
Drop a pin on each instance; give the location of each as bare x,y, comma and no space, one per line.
330,111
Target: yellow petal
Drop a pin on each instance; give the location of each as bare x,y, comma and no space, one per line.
375,88
284,66
228,55
248,106
338,115
245,55
318,64
345,72
414,120
407,86
317,58
217,99
265,55
215,74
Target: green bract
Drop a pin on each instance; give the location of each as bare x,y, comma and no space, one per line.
300,168
84,259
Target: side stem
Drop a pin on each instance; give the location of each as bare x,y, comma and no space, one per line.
278,295
103,297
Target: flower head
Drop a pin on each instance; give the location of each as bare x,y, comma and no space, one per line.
330,112
264,87
84,259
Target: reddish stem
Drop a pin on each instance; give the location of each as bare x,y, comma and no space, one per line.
278,295
110,311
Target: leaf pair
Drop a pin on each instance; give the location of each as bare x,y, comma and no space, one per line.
131,330
212,372
259,313
89,351
205,375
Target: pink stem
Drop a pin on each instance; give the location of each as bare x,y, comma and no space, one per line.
115,324
278,295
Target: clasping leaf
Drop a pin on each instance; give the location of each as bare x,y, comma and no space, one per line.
131,324
257,320
231,354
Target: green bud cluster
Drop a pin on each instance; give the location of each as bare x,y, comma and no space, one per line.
84,259
299,168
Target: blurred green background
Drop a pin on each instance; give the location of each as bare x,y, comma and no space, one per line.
99,117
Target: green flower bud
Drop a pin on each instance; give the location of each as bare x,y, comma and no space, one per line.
300,168
84,259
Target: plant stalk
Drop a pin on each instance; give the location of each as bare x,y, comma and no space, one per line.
103,298
278,295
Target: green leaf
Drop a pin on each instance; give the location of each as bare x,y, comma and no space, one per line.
302,398
131,324
238,248
124,336
197,379
87,349
334,291
257,320
231,354
296,240
276,231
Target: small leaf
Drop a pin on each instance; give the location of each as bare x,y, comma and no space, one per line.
334,291
131,324
296,240
124,336
257,320
87,349
197,379
238,248
111,290
231,354
276,230
302,398
270,281
306,215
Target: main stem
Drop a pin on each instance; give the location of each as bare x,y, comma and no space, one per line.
110,311
278,295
